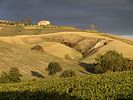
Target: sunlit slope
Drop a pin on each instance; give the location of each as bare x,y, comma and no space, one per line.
125,49
52,48
15,51
60,50
116,43
30,61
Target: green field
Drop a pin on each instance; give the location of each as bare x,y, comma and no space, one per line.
108,86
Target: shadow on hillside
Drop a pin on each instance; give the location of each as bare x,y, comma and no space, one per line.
37,74
38,95
88,67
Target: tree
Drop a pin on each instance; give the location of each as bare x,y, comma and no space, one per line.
68,73
111,60
12,76
53,68
130,64
27,21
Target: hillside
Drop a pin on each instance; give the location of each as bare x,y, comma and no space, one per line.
66,47
30,61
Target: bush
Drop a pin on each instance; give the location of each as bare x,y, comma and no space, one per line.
4,78
99,69
130,64
53,68
12,76
37,48
68,73
111,60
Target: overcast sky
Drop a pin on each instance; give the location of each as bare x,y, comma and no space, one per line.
114,16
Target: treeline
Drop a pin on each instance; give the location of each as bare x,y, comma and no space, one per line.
24,22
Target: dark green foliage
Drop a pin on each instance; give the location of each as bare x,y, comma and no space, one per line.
99,69
68,73
4,78
53,68
37,95
111,60
130,64
107,86
12,76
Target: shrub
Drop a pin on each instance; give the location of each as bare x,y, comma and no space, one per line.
4,78
111,60
12,76
99,69
37,48
68,73
53,68
130,67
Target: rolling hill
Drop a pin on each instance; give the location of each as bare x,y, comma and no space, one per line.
79,46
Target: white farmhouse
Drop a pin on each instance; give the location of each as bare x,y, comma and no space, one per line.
43,22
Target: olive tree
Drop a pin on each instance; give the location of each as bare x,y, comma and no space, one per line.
111,60
53,68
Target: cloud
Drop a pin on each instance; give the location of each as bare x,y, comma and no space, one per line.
109,15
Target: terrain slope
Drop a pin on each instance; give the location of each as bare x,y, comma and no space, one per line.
67,48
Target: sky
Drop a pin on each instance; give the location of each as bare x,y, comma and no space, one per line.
113,16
